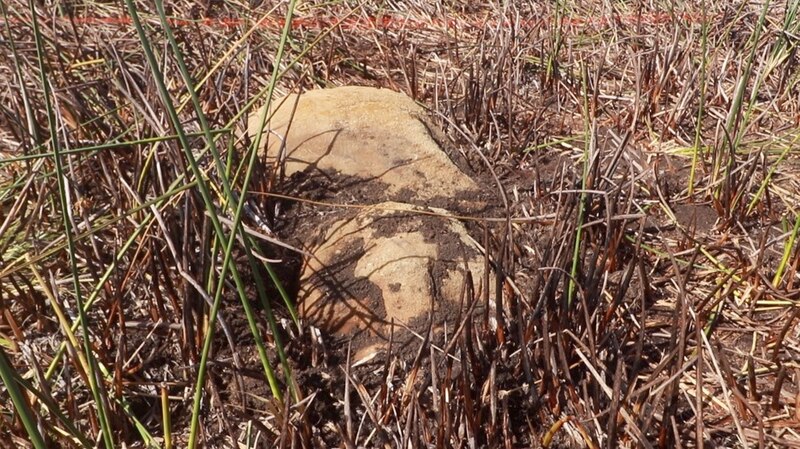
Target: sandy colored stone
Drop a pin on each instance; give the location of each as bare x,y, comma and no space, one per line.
387,263
373,134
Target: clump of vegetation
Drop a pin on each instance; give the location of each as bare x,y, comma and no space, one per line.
646,270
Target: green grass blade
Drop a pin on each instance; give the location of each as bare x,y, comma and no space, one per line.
9,377
94,149
588,129
227,242
230,197
698,131
94,381
788,248
736,121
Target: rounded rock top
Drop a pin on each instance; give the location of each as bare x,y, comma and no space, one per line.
376,135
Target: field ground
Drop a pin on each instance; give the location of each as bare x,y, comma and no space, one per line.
653,303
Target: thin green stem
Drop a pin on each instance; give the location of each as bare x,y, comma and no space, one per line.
587,147
698,132
9,377
95,383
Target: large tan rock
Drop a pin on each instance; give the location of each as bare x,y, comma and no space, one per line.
387,263
373,134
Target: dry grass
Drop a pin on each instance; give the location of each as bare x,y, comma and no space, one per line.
657,310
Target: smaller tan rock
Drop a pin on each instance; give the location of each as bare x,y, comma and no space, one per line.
373,134
387,263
